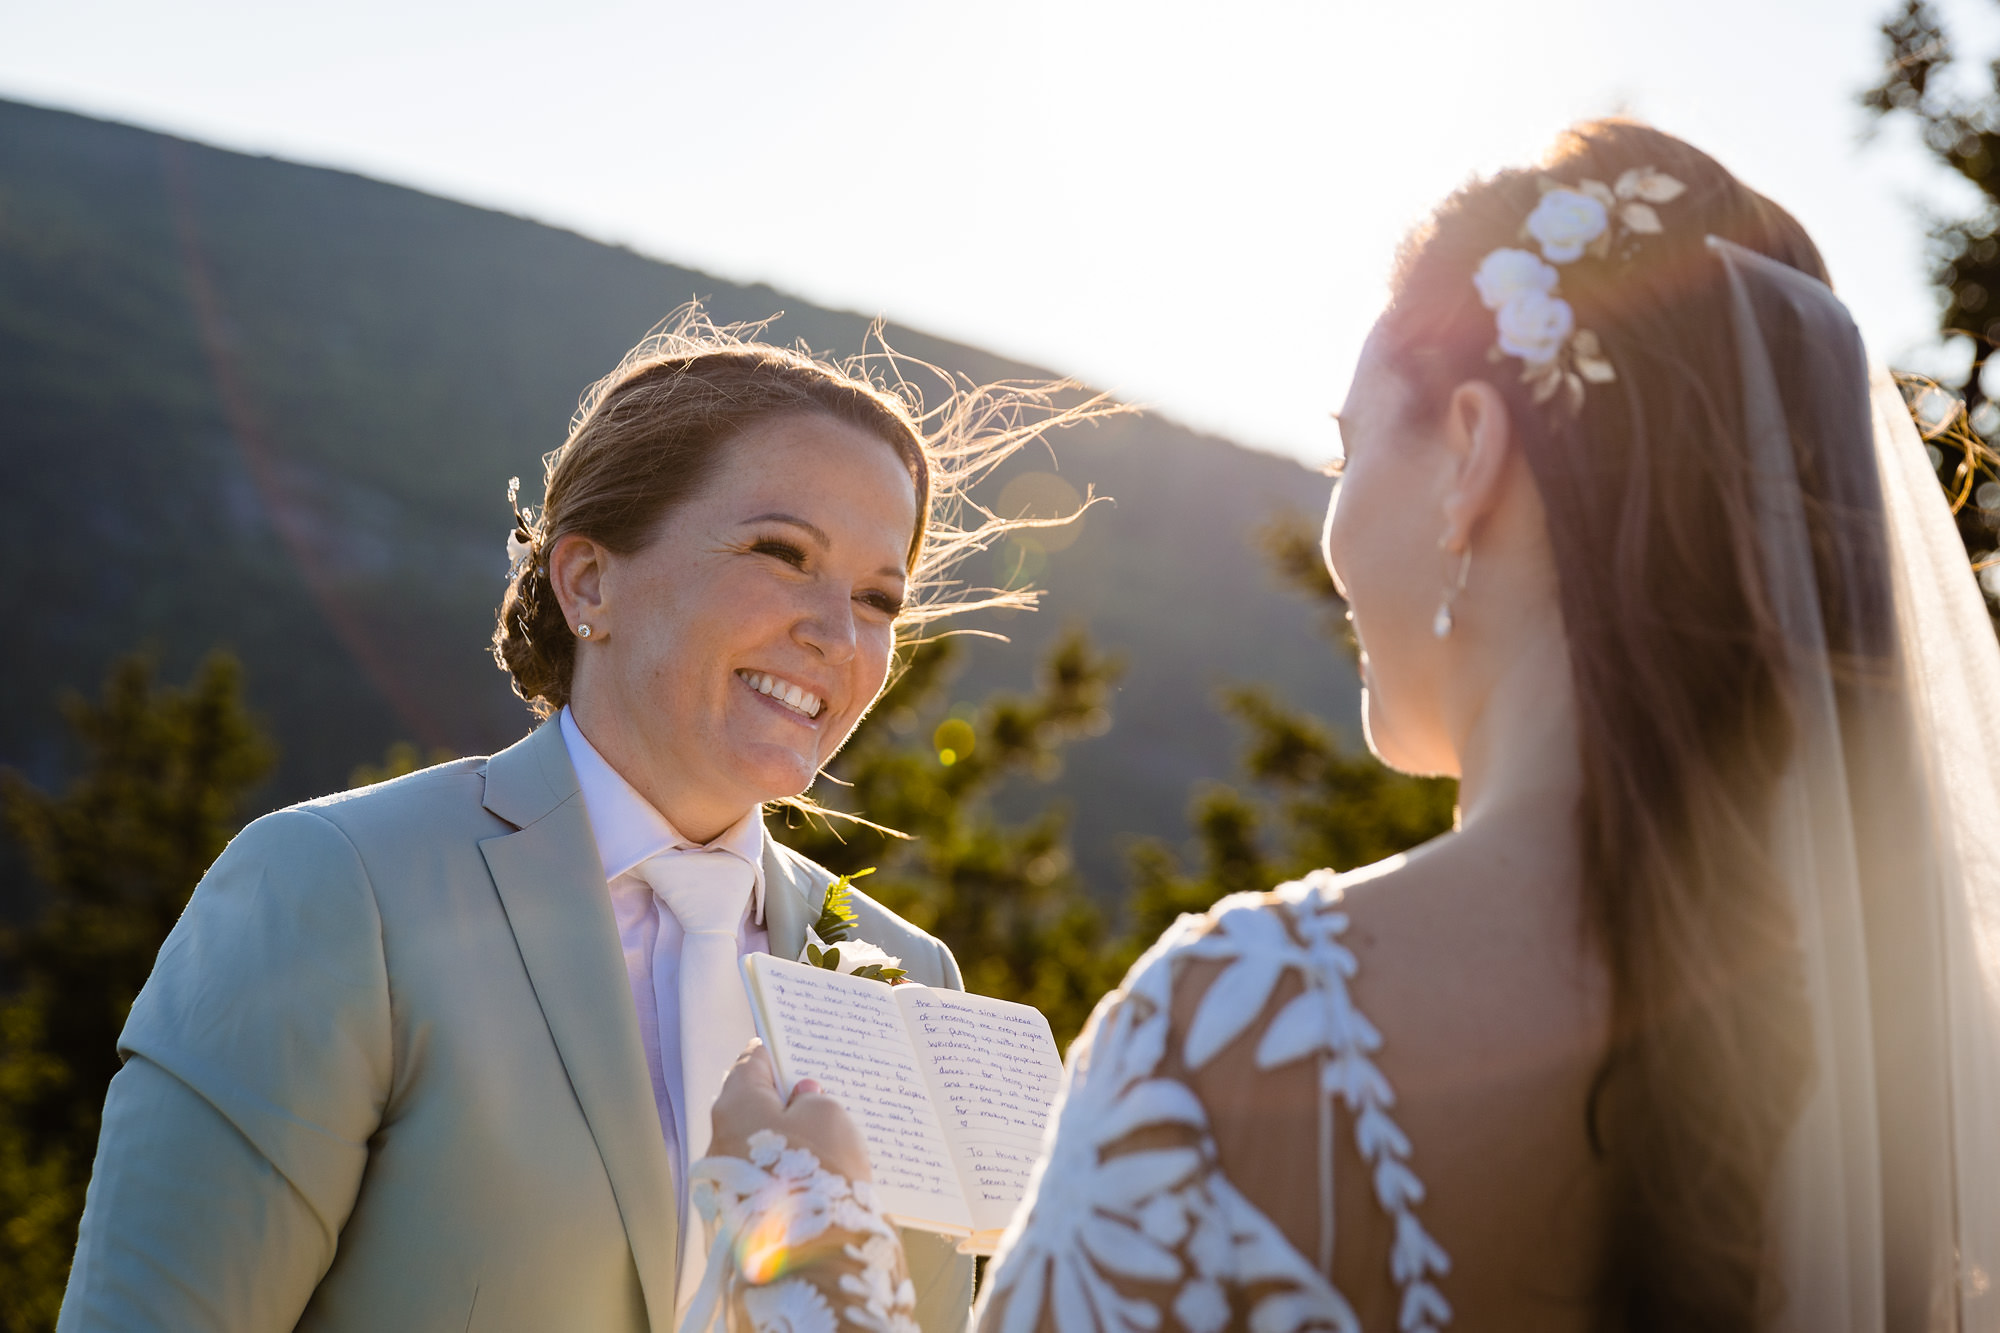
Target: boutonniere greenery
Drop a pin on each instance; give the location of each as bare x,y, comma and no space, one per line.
831,943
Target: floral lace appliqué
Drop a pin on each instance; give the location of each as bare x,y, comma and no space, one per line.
780,1213
1108,1226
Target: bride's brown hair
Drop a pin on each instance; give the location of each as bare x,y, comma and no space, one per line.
1681,690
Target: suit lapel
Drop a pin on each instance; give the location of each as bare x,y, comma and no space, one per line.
792,899
552,887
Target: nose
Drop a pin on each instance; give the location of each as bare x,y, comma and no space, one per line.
826,625
1326,539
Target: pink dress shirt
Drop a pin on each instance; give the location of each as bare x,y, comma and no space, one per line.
629,831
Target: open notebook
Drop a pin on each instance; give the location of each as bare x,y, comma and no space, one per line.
950,1090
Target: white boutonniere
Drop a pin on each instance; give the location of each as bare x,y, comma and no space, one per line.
831,944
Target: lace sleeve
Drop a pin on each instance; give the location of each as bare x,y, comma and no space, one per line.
1130,1219
1131,1222
794,1248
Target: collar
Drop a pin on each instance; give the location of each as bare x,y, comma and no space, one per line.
629,830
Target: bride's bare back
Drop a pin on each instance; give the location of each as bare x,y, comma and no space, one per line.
1492,1012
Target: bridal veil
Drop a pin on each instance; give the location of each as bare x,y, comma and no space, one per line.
1887,830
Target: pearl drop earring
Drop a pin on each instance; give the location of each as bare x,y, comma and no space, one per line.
582,631
1441,624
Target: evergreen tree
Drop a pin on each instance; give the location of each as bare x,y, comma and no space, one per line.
1003,895
1315,805
1960,124
401,759
116,857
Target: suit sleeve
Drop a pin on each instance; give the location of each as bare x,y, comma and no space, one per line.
947,966
257,1065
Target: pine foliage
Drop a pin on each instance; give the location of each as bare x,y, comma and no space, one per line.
1001,892
116,857
1311,802
1959,121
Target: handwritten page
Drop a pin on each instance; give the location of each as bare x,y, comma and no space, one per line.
849,1034
993,1069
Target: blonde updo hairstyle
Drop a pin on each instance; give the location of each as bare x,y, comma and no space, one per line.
648,436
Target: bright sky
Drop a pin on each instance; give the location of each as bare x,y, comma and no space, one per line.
1191,204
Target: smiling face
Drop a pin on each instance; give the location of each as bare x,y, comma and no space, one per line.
1383,526
732,655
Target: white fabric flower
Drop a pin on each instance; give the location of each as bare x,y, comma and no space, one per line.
851,1214
876,1283
769,1208
1534,327
795,1164
793,1306
1566,222
1508,273
888,1305
855,954
517,550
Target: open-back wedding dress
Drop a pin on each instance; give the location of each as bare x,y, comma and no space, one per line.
1887,829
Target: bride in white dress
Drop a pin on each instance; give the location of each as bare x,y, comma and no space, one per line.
1691,1023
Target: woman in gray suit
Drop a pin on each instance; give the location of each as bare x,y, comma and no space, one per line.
437,1053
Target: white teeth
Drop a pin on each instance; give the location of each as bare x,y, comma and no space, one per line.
786,693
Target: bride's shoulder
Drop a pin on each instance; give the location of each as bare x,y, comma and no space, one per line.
1458,944
1273,923
1476,937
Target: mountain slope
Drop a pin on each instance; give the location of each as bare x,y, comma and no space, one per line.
251,403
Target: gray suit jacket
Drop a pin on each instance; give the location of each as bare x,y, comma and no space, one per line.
386,1074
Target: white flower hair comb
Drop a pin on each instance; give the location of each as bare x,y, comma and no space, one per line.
520,541
1536,325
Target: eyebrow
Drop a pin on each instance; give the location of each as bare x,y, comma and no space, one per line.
818,534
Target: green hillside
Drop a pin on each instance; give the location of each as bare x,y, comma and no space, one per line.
274,407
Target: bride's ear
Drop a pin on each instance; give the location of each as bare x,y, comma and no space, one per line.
1478,438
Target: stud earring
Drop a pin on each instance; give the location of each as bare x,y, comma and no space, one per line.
582,631
1441,624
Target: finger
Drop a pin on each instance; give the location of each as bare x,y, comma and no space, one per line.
752,1085
805,1087
818,1121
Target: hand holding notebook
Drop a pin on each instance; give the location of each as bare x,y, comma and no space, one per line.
951,1091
